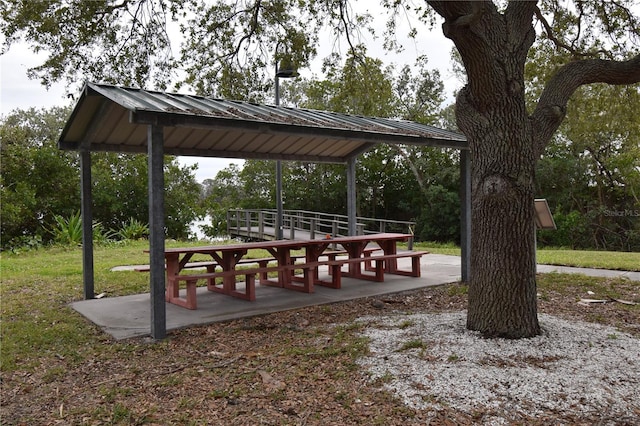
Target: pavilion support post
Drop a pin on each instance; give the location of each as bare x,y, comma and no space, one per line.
87,224
156,232
465,215
279,208
351,196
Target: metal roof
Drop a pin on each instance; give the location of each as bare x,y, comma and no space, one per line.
113,118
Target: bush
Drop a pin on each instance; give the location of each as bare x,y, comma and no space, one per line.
24,243
67,231
439,219
134,230
102,235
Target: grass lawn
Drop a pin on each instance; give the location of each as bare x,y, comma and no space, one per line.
620,261
46,346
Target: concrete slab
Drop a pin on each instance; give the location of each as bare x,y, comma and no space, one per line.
545,269
129,316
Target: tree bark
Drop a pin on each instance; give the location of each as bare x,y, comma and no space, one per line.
505,144
502,289
491,112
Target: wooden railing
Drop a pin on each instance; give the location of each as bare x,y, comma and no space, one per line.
261,224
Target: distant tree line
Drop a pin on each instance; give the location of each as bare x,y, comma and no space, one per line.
40,184
590,174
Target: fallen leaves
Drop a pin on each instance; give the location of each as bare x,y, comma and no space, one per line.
270,383
294,367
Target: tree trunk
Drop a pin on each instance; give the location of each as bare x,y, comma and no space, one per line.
491,111
502,290
505,144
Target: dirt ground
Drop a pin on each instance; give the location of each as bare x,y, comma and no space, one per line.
295,367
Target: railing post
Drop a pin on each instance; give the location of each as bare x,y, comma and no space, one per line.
360,229
247,219
292,227
382,226
261,224
312,228
229,222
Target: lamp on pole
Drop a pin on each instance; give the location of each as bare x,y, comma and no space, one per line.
285,70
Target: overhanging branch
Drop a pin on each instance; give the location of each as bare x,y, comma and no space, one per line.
561,44
551,107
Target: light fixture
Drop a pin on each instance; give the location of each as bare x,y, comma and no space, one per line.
285,70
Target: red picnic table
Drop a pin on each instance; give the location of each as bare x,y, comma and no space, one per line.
227,257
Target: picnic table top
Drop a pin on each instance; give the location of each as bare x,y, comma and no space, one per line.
289,243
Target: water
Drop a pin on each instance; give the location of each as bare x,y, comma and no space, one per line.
195,231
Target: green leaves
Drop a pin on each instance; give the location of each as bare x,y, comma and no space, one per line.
40,184
590,171
231,48
67,231
591,28
133,229
37,180
124,42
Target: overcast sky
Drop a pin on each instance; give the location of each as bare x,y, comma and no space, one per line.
17,91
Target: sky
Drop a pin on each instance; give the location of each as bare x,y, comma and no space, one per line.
17,91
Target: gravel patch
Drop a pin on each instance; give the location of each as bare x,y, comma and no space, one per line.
431,361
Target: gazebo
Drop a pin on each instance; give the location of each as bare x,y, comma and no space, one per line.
128,120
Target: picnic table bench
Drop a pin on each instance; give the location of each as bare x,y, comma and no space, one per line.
335,271
210,265
360,260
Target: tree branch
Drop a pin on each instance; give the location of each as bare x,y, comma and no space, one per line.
466,21
551,108
412,166
561,44
458,14
252,27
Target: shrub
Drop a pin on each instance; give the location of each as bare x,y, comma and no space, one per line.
67,231
102,235
133,230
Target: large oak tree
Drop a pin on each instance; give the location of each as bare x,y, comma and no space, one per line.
229,48
506,140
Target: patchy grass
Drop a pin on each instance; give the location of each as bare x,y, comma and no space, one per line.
620,261
563,292
412,344
57,368
582,286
